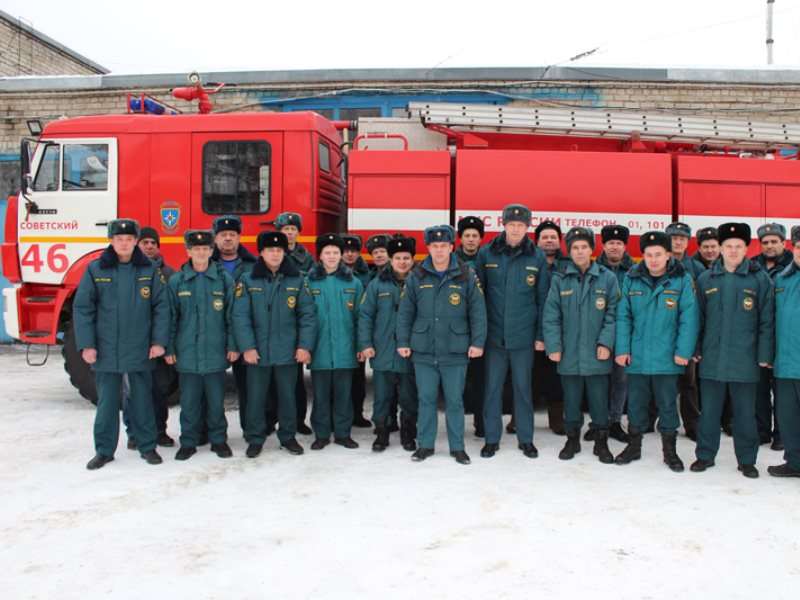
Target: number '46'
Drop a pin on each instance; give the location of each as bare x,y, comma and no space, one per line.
57,261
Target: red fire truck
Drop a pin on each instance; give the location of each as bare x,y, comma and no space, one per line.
175,172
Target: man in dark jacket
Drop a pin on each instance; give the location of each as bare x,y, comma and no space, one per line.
470,233
774,258
515,279
579,331
738,336
616,259
150,243
237,261
391,374
545,380
441,324
291,224
201,343
275,324
121,315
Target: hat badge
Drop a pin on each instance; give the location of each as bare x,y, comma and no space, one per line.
199,236
616,231
733,228
438,233
123,225
652,237
516,211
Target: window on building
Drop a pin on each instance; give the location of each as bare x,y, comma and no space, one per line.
236,177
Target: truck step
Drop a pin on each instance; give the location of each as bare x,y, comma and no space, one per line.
39,299
34,334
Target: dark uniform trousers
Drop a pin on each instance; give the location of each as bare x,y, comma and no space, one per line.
259,381
450,379
160,408
545,379
745,432
664,390
386,385
689,397
240,379
332,403
595,388
789,418
766,394
301,400
474,388
498,362
194,389
106,420
618,393
358,390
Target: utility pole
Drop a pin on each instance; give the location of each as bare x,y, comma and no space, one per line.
770,41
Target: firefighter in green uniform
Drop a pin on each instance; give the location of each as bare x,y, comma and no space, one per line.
441,323
787,360
515,278
351,256
738,335
616,259
275,323
121,315
774,258
470,233
680,234
579,331
378,248
236,260
336,293
291,224
657,326
201,343
377,322
707,248
471,230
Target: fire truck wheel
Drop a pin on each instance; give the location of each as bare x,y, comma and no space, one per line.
81,375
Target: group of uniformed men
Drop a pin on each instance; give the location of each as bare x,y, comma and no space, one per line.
577,331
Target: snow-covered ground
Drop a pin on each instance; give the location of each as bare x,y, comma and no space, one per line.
354,524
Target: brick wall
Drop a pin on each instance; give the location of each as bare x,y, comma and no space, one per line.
22,53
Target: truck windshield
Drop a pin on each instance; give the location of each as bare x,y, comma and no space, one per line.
84,167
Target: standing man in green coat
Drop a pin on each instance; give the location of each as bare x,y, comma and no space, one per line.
378,248
616,259
291,224
787,360
657,326
377,323
336,294
738,336
351,257
471,230
774,258
121,315
201,343
515,279
441,324
275,323
236,260
579,331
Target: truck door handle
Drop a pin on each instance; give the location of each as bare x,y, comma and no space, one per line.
102,223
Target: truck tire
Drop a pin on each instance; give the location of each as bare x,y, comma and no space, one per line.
81,375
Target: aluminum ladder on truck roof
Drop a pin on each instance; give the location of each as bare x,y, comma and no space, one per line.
602,123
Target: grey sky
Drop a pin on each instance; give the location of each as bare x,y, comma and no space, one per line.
179,36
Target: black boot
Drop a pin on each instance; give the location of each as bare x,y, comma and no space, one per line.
573,445
633,451
382,441
601,450
408,434
671,457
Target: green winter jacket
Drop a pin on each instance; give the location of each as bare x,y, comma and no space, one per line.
377,321
244,262
656,324
337,298
441,317
787,316
362,271
738,322
515,281
470,260
201,332
274,314
621,270
121,310
783,261
580,315
302,258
